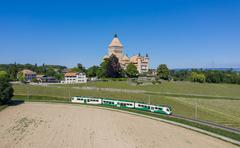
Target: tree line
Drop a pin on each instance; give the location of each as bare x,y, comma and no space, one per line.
205,75
111,68
55,71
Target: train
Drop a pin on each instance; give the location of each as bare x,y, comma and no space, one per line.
123,104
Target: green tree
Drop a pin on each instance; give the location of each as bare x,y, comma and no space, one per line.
163,72
102,70
59,76
6,90
51,72
3,75
131,70
13,71
21,77
195,77
92,71
81,68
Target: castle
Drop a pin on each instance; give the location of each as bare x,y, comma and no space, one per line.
116,48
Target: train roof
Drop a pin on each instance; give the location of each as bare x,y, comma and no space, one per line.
118,100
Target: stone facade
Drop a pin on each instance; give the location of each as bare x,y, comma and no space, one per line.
116,48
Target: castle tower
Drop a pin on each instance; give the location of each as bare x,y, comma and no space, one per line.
115,47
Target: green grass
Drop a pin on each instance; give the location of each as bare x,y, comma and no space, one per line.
197,125
223,111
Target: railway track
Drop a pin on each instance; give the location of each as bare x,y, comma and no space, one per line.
213,125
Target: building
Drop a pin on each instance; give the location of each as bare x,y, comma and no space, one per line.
28,75
152,72
116,48
74,77
46,79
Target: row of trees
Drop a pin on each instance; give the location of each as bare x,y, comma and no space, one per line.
49,70
199,75
111,68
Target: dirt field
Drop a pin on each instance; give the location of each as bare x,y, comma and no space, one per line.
61,125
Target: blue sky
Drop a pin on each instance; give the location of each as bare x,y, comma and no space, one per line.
179,33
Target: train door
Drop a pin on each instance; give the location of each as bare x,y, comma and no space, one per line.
152,109
118,104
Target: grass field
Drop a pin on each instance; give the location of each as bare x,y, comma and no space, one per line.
184,88
224,110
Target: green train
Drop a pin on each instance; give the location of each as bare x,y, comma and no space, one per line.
123,104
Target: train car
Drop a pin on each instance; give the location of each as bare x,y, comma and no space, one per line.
153,108
77,99
86,100
125,104
142,106
109,102
167,110
92,100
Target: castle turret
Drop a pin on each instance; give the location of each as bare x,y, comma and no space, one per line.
115,47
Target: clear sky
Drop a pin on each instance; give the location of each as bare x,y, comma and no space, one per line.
179,33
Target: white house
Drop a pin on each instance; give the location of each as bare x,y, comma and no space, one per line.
73,77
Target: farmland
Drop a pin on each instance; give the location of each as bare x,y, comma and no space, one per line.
217,103
72,125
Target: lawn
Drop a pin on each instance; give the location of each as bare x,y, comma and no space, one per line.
184,88
222,111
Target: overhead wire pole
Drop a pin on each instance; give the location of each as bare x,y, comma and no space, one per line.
65,87
196,109
68,92
27,90
149,100
69,95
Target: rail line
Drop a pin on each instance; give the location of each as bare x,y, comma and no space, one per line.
211,124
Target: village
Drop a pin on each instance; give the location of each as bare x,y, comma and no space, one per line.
139,63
